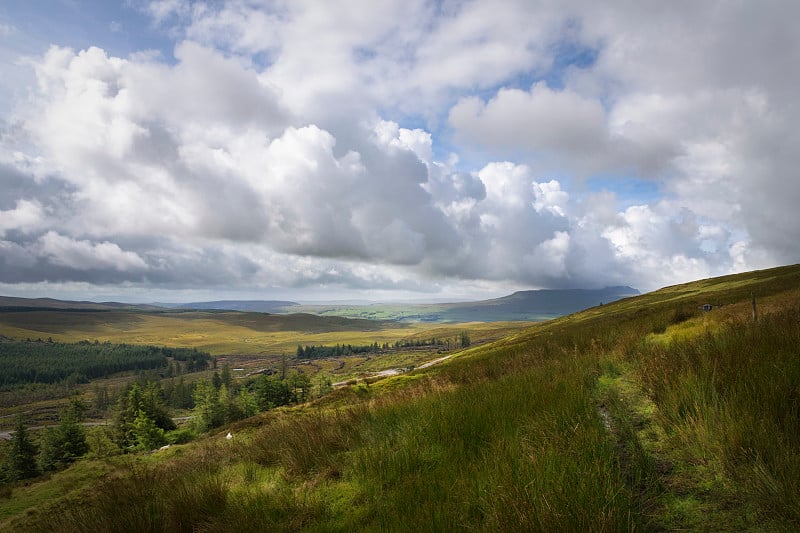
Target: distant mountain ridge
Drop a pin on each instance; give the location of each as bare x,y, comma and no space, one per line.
537,304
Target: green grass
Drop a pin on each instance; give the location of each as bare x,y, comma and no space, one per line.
26,498
731,401
644,414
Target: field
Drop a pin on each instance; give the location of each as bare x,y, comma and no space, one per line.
644,414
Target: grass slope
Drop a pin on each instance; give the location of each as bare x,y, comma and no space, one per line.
644,414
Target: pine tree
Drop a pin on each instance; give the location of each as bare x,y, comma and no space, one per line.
324,385
208,410
21,460
465,342
147,435
247,402
137,399
300,386
67,441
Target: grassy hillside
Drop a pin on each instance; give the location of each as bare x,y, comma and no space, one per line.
643,414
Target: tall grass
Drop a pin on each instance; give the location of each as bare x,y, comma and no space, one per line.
731,399
508,441
524,452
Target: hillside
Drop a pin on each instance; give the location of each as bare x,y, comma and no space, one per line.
643,414
532,305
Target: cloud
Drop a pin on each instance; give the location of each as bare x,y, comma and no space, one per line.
567,130
162,10
409,55
222,164
540,119
83,255
409,146
24,217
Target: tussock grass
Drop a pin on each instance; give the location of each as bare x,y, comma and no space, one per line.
517,446
731,401
459,465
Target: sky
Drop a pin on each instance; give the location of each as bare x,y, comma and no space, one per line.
176,150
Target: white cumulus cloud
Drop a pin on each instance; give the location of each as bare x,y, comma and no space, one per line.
409,146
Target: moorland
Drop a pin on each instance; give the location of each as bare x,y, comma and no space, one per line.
677,409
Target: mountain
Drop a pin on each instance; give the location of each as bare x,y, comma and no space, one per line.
535,304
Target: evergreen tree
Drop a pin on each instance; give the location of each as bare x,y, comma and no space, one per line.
324,385
208,411
181,395
146,434
272,392
153,404
248,403
300,386
227,378
21,460
147,400
465,342
67,441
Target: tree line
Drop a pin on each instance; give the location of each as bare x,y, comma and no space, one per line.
53,362
339,350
